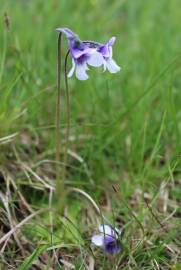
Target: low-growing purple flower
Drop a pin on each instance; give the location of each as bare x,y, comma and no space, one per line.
88,53
107,239
82,55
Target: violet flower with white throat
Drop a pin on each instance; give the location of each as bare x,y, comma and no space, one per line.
89,53
108,239
82,55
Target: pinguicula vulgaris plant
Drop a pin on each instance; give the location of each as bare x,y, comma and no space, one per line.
84,54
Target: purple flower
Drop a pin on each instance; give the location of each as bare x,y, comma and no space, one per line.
82,55
106,51
90,53
108,239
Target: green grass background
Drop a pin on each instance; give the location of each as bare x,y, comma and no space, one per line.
132,118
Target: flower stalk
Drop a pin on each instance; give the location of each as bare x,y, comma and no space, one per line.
68,115
59,182
60,177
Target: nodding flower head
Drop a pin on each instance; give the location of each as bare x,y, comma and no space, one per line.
88,53
108,239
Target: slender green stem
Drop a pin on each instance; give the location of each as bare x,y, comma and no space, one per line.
59,182
68,115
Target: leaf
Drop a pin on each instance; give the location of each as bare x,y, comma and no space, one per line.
29,260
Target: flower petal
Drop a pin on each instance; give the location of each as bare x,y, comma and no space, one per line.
72,69
98,240
104,50
95,59
81,72
110,232
106,228
111,41
112,66
80,51
113,247
110,52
